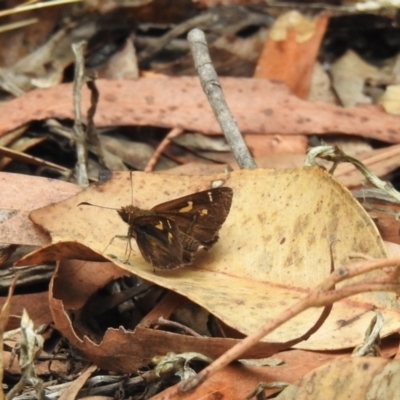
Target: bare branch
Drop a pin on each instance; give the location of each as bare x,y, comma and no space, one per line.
212,88
81,152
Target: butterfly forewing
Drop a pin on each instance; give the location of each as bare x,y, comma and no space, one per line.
199,215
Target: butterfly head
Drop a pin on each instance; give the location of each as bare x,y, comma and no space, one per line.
128,213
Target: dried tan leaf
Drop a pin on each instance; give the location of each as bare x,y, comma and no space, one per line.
349,74
293,20
72,390
320,86
274,245
371,378
390,100
22,194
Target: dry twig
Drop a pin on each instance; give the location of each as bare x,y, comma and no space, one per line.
176,31
161,147
212,88
79,77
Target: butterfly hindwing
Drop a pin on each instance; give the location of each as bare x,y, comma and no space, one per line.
158,239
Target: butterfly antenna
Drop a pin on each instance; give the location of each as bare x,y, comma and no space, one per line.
130,174
84,203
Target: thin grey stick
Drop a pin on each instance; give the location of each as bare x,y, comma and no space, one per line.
212,88
79,79
178,30
92,133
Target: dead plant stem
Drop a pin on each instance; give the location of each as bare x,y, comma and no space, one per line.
212,88
81,151
176,31
175,132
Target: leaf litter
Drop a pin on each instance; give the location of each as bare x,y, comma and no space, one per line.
272,282
249,269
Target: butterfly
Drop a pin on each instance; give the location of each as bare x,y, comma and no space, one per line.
169,235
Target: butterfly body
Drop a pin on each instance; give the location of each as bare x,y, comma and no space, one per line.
169,235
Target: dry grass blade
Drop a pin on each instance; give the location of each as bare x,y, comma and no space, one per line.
36,6
17,25
17,155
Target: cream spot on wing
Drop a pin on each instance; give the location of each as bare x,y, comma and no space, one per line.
204,211
188,208
169,224
210,196
159,226
170,237
217,183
